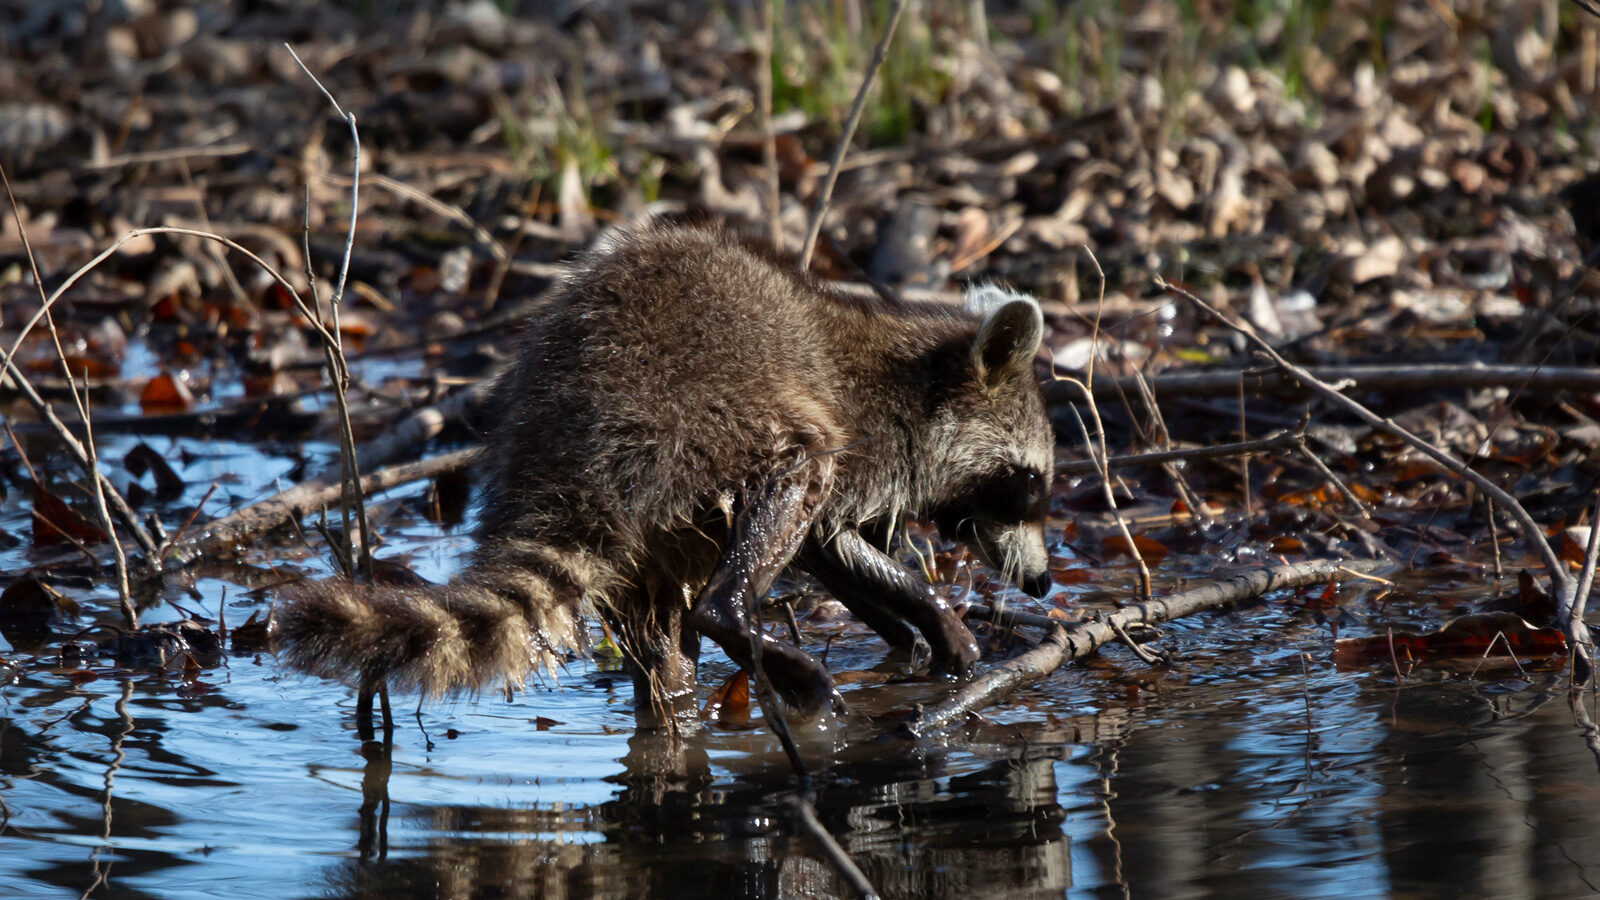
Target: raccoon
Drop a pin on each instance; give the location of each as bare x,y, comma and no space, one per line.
688,417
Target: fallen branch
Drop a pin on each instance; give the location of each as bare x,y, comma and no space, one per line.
1067,641
1380,378
421,425
236,528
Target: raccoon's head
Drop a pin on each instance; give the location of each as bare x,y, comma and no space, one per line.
997,450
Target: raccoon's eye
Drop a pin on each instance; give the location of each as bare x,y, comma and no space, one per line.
1019,495
1037,493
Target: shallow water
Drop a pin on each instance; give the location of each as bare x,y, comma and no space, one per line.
1251,768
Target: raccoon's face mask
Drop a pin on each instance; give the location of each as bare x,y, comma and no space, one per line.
1001,517
999,464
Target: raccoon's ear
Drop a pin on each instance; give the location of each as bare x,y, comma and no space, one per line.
1010,335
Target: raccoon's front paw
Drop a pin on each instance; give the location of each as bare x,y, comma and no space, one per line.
956,651
816,704
802,682
810,691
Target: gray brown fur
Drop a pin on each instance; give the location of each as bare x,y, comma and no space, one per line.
673,370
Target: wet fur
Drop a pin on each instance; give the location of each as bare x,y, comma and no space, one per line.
673,369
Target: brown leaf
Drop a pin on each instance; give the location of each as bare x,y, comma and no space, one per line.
252,635
729,703
54,521
1326,599
1063,571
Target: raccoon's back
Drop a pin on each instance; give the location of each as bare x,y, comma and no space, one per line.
658,376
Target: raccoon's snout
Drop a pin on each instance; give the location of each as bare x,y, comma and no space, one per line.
1017,551
1036,585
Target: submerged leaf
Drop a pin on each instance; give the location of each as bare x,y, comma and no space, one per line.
1472,636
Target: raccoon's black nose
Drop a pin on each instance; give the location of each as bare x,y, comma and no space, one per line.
1037,585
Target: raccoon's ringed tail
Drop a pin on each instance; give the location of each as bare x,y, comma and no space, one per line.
436,640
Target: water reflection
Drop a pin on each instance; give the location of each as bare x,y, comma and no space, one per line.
993,831
1478,804
1235,773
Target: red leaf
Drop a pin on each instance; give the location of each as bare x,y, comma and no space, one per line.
1150,549
164,393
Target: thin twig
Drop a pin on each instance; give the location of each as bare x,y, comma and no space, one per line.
1158,435
769,138
1098,458
55,296
1244,435
1580,594
820,207
530,202
771,709
124,596
1494,536
338,368
1335,480
1099,310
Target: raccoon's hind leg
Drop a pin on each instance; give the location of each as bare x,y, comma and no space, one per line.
768,529
661,648
878,589
364,694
